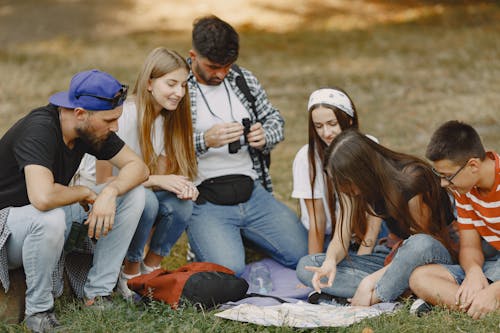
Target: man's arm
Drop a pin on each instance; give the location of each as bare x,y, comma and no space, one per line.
44,194
471,259
132,173
487,300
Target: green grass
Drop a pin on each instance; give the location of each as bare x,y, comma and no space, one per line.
405,76
157,317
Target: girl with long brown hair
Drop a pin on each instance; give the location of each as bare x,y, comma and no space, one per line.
330,111
370,179
156,124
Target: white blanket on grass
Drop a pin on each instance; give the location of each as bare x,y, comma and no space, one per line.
304,315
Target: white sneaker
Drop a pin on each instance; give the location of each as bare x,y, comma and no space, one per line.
190,256
420,307
145,269
121,286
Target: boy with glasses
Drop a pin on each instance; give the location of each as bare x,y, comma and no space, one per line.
473,176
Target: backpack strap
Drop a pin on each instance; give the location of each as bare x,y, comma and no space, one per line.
243,85
241,82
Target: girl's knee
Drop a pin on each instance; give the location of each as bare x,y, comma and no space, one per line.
183,210
302,273
421,243
151,201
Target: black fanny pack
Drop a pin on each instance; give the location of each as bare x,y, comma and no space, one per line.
226,190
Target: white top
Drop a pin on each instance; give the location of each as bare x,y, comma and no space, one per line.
128,131
226,107
302,187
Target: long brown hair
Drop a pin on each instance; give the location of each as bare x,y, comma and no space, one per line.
177,128
369,173
317,148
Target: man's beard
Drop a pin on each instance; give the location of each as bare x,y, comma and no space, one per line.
211,81
90,139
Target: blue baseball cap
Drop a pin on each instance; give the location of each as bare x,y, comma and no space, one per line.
92,90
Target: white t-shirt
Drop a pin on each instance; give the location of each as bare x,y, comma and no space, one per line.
302,187
227,108
128,131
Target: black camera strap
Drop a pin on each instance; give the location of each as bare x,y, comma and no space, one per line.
208,105
242,84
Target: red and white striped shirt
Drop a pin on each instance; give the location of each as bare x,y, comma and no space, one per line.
482,211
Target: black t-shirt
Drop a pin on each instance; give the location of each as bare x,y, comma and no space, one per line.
37,139
380,209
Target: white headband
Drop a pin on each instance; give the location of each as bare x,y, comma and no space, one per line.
333,98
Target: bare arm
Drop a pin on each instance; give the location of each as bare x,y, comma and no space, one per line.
471,259
317,225
487,300
103,171
371,235
336,252
337,249
44,194
471,254
365,293
177,184
132,173
419,211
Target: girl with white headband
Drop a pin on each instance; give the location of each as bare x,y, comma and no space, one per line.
330,111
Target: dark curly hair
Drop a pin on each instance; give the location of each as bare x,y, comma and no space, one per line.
215,39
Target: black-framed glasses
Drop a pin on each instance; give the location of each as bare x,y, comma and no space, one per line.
117,100
449,179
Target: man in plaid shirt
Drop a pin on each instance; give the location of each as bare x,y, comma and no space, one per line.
233,202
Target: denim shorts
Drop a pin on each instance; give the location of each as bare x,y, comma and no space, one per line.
491,269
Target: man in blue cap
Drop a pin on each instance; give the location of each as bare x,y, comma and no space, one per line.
40,155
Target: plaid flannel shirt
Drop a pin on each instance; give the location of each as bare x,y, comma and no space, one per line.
4,235
77,264
269,116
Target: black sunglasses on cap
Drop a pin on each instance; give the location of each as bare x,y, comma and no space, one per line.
117,100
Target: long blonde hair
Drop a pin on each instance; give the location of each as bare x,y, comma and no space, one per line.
177,125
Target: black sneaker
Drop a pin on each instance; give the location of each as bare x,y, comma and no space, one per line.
420,307
42,322
324,298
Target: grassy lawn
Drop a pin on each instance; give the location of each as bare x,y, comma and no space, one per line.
408,67
157,317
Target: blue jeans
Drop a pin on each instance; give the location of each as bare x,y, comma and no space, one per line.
491,265
35,243
216,232
417,250
111,249
37,239
169,214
